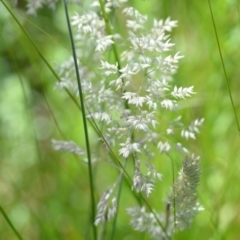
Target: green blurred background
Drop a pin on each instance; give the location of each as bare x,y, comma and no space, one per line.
46,193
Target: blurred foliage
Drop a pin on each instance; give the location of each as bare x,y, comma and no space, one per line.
45,193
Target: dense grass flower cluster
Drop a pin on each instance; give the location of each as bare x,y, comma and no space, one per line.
129,91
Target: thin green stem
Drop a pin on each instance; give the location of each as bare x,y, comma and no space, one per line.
223,66
114,47
10,224
238,11
109,32
113,156
118,201
84,121
174,193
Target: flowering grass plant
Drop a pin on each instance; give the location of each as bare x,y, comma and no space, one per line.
131,100
129,94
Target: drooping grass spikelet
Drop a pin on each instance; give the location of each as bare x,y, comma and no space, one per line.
67,146
104,209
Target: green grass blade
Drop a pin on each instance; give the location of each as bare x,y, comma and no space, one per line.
10,224
223,66
84,121
114,226
109,32
174,194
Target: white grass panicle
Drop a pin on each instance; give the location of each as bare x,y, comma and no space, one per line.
130,93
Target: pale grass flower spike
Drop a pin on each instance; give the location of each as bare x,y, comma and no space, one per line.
132,96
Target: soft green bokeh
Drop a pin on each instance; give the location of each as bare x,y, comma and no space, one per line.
46,193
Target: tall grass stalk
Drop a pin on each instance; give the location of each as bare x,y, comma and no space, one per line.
10,224
146,87
223,67
91,180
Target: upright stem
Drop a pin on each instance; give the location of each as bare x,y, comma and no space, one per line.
224,69
10,224
84,122
118,200
109,32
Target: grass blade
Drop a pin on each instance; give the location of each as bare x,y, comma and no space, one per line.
84,121
10,224
223,66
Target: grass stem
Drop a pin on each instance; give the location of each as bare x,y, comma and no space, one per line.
10,224
93,208
223,66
